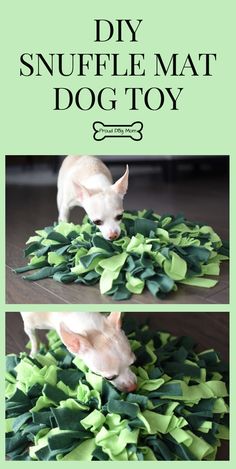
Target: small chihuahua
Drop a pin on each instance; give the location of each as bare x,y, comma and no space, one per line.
87,182
97,339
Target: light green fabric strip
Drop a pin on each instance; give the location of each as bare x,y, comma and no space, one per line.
82,452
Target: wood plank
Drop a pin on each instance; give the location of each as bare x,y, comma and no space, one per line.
22,292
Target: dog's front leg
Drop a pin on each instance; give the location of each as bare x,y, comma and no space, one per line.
33,340
63,214
63,206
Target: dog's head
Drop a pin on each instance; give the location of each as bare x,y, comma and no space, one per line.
106,352
105,207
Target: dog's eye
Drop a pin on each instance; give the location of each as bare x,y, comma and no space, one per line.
98,222
119,217
110,378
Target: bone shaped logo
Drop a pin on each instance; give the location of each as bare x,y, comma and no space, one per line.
133,131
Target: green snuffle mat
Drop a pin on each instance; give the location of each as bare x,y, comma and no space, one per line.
56,409
153,251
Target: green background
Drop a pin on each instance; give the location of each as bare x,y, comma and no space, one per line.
203,125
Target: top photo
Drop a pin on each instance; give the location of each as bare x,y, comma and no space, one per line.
117,229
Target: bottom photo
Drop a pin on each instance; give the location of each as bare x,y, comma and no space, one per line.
88,386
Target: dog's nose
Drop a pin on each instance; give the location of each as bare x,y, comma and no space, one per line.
113,235
132,387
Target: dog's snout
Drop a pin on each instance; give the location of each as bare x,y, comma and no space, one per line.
132,387
113,235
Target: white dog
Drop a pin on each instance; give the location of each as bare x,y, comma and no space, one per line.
97,339
87,182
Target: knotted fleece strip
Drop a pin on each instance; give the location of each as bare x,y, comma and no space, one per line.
57,409
153,251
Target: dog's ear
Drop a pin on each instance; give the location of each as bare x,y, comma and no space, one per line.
76,343
121,186
81,192
115,319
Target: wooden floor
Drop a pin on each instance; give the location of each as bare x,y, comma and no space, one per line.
30,208
209,330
